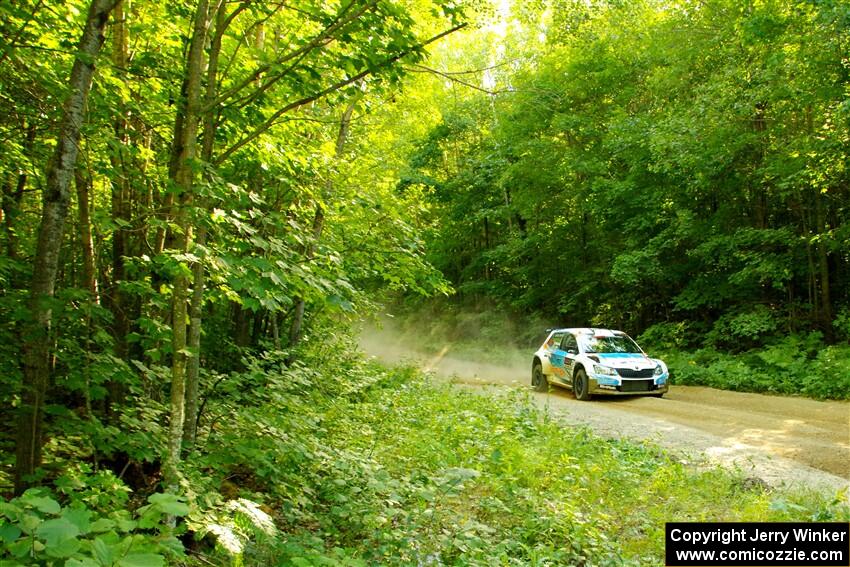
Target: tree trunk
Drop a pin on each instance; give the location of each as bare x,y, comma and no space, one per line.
507,194
56,197
193,368
198,272
184,146
759,197
486,247
257,326
823,312
298,317
823,269
318,226
83,185
120,199
275,330
11,199
242,327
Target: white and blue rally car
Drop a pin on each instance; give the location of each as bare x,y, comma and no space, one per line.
597,361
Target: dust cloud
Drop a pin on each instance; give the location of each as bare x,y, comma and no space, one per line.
459,361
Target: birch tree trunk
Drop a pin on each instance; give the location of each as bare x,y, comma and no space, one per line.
120,186
56,197
823,268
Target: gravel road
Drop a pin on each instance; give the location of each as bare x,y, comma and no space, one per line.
780,440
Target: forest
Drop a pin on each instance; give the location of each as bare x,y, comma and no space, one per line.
677,172
202,201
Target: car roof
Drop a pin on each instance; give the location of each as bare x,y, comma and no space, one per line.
589,331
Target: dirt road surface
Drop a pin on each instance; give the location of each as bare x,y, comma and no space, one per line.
781,440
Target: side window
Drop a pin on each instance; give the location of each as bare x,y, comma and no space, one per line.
553,342
569,343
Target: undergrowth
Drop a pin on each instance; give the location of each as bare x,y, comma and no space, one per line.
369,466
795,365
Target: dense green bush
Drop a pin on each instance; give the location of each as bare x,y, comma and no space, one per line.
83,523
666,336
743,329
795,365
842,323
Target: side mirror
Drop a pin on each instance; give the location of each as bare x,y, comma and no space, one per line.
571,351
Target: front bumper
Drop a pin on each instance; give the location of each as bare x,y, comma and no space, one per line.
612,386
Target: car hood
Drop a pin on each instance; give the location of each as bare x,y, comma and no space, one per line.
625,360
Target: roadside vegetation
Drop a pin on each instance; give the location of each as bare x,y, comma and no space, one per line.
797,365
383,467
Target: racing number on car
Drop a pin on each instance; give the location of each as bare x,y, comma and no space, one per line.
569,347
562,358
556,359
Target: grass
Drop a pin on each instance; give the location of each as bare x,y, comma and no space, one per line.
455,478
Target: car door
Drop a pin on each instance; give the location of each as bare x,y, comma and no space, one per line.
554,355
557,357
569,346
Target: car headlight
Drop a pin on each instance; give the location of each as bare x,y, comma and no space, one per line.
658,370
604,370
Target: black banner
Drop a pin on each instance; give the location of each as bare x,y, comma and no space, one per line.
762,544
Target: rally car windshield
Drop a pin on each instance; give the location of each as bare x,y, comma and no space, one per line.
604,345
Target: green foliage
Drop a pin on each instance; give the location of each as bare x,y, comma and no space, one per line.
842,323
367,466
281,200
420,472
91,528
649,162
665,336
796,365
643,165
738,331
344,463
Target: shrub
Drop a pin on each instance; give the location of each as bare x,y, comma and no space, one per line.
842,323
742,330
90,528
665,336
794,365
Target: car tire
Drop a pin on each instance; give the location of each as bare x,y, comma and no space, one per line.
581,386
538,379
659,396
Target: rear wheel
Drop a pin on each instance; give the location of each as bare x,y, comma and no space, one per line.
538,379
581,386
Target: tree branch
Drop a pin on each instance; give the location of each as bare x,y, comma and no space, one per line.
11,44
325,36
269,122
481,70
449,76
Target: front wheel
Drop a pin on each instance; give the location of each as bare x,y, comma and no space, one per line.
581,386
538,380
